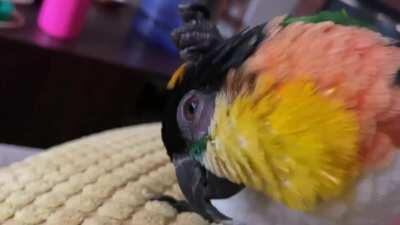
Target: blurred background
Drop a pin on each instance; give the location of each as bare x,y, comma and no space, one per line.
71,68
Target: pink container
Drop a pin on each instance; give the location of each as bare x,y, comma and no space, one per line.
63,18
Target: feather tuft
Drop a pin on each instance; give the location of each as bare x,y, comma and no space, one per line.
262,141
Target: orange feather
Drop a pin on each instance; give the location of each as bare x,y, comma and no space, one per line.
353,64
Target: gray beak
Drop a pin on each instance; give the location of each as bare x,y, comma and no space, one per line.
199,186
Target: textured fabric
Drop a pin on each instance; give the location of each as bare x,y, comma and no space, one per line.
104,179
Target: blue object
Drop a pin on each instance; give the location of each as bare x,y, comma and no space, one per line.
6,9
156,19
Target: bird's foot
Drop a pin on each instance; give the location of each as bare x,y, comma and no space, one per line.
198,35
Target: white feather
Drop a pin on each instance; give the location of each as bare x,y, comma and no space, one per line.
376,202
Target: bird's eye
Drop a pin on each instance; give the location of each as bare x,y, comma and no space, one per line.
190,108
194,114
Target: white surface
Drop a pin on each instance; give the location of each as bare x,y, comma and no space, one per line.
12,153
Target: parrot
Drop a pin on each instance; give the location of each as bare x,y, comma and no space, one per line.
295,121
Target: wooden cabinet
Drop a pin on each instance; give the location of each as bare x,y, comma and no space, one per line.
52,91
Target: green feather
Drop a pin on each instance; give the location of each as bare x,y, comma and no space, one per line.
198,148
338,17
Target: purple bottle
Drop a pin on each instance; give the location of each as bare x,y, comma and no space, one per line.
63,18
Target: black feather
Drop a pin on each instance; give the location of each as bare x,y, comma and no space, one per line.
209,72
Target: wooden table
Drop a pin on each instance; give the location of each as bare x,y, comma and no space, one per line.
52,91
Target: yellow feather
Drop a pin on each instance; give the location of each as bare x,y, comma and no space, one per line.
177,77
291,142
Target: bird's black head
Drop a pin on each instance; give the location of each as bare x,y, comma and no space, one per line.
190,100
186,119
189,110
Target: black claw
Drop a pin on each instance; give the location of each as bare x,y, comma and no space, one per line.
180,206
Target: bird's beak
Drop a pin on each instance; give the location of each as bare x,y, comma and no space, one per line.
199,186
